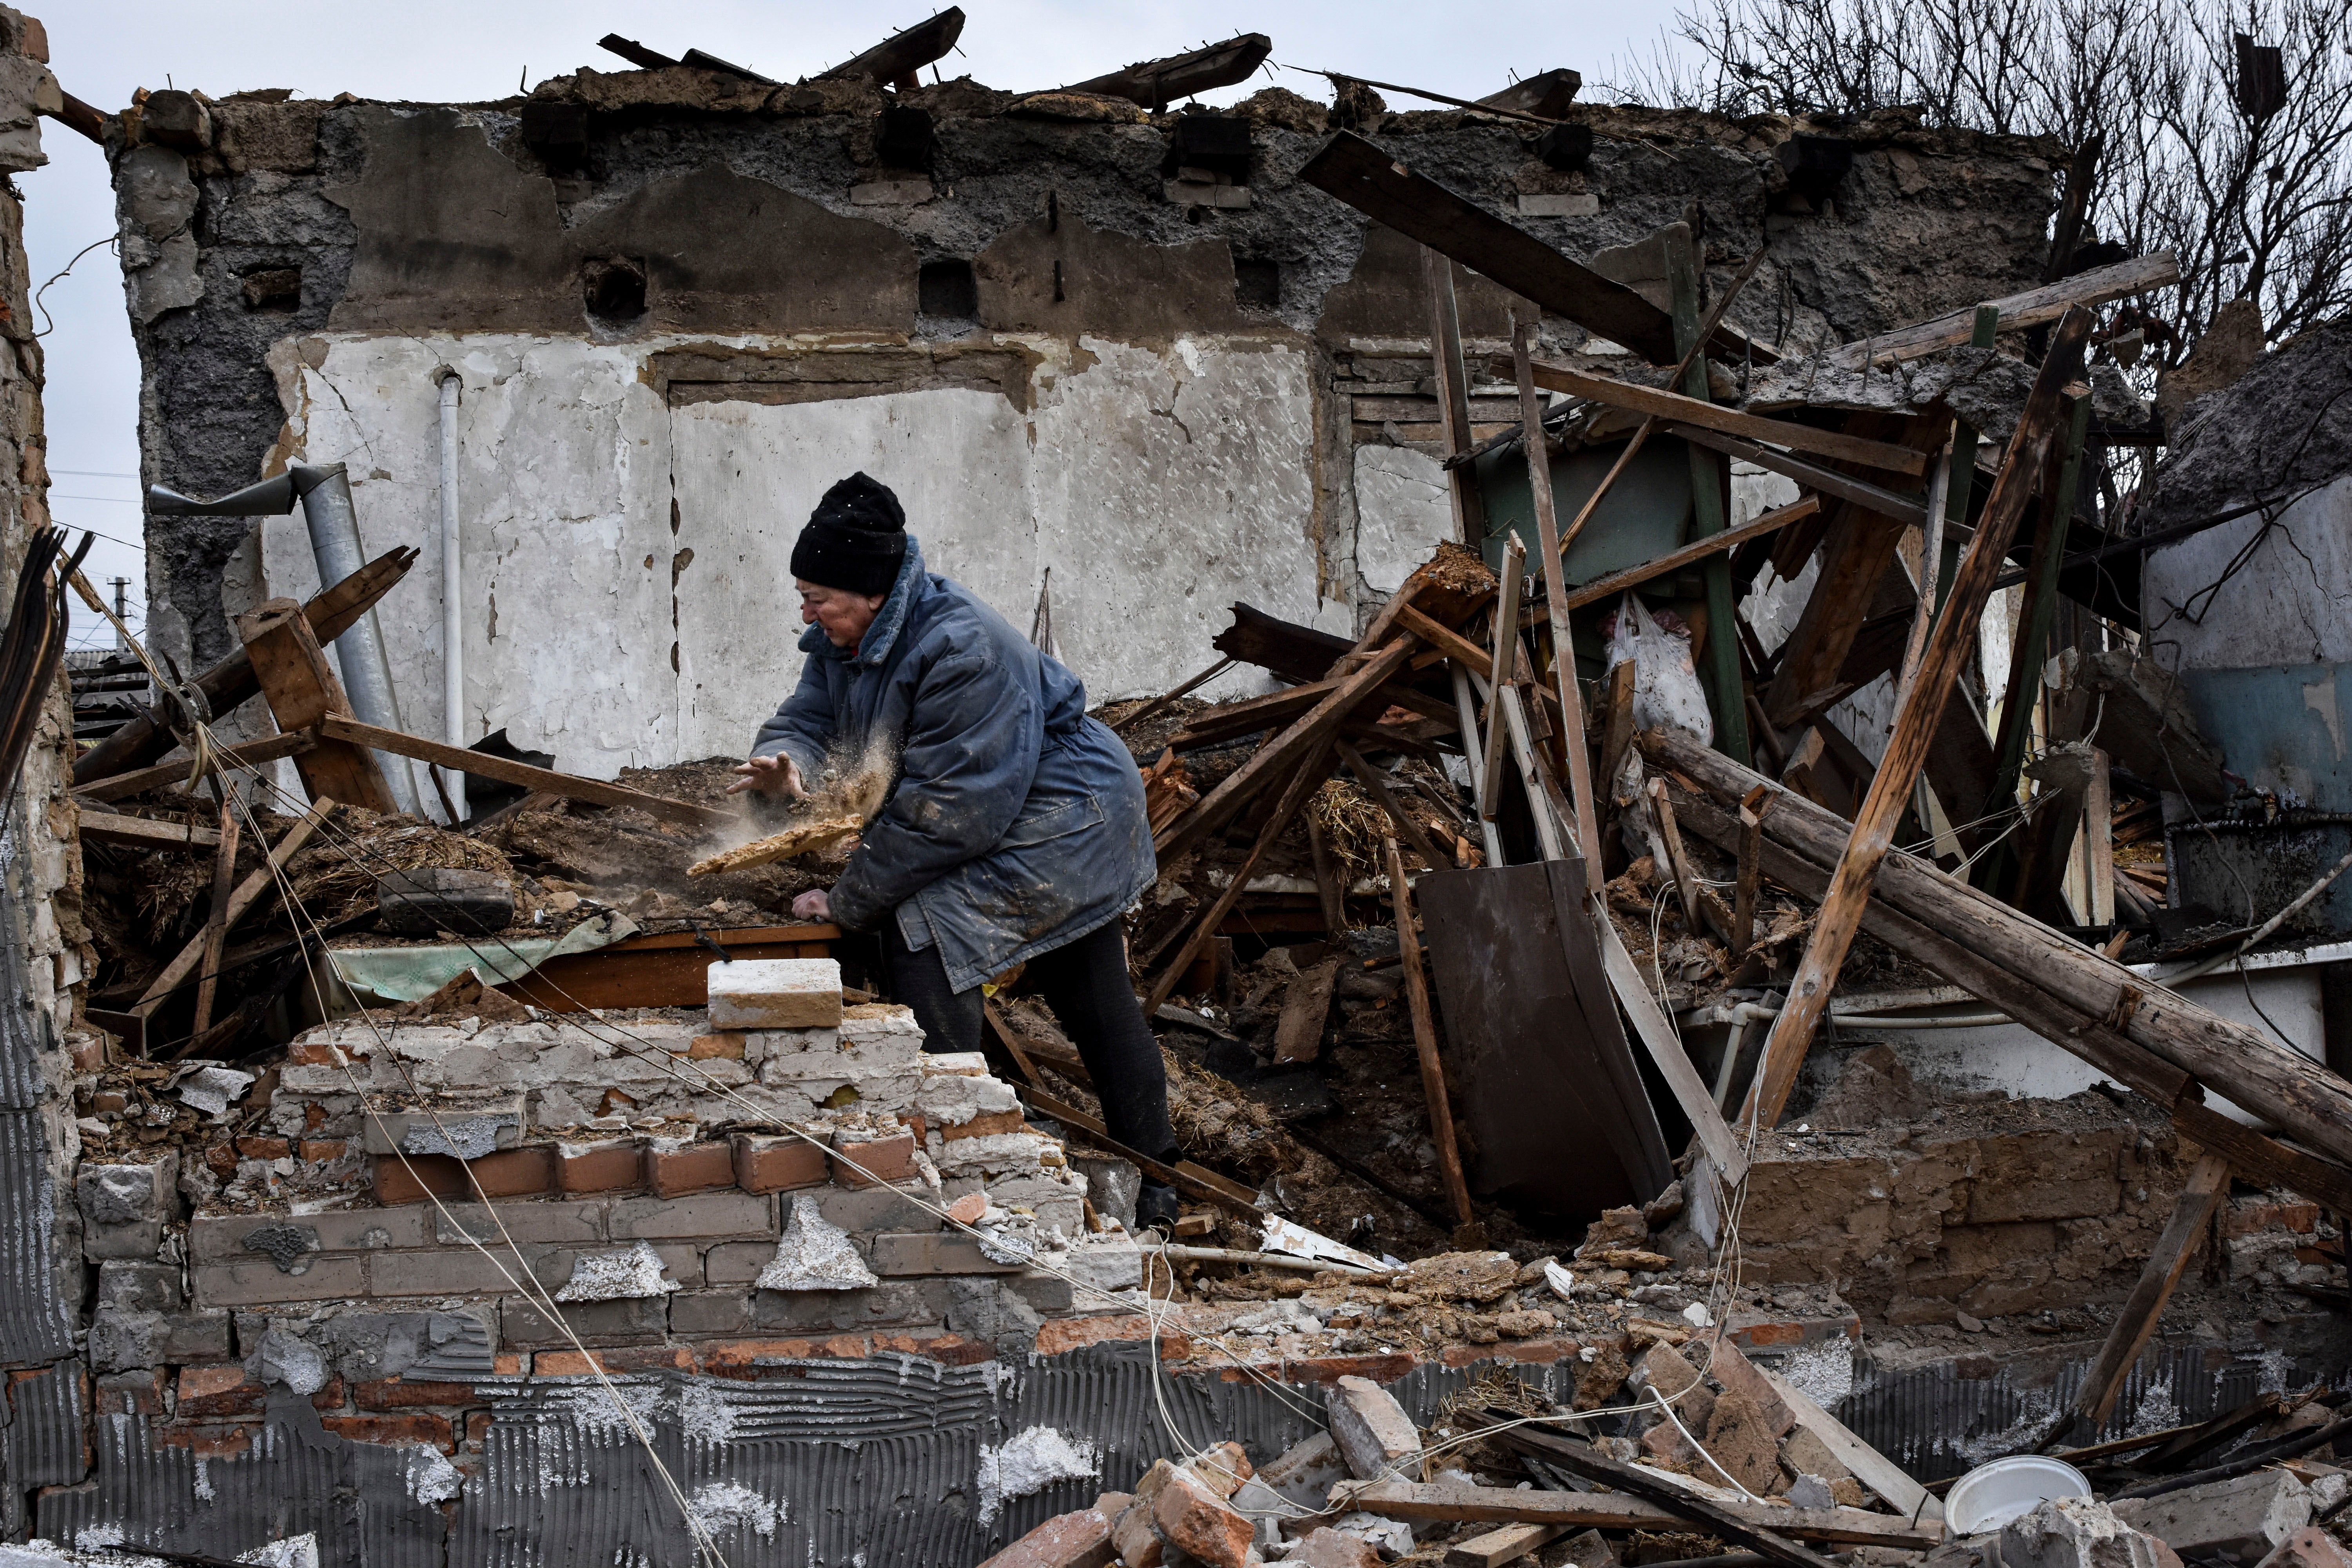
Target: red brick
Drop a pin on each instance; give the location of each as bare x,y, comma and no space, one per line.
508,1363
967,1209
477,1428
845,1347
1224,1468
2246,1219
211,1391
207,1442
262,1149
949,1350
1327,1370
222,1159
1060,1334
1190,1515
1080,1540
313,1054
987,1125
727,1045
314,1116
399,1394
323,1149
777,1164
108,1100
639,1358
142,1397
509,1174
614,1166
879,1161
699,1169
741,1358
429,1429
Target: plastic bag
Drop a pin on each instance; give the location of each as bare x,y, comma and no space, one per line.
1666,692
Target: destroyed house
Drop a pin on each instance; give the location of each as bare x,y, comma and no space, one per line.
1693,947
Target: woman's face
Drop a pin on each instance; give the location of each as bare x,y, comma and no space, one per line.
843,616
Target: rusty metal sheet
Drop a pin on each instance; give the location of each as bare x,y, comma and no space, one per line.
1547,1086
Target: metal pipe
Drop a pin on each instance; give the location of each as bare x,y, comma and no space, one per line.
334,526
453,624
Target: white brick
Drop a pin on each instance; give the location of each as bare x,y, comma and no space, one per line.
1560,204
775,993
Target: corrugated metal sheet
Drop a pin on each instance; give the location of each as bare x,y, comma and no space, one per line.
45,1428
295,1478
35,1322
1934,1423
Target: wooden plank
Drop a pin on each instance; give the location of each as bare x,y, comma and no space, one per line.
1665,1048
628,975
2039,613
1330,889
1376,184
1424,1040
1159,704
2099,845
1496,1547
301,688
1453,397
1749,888
2200,1199
1663,405
1505,665
1305,1008
1690,554
1012,1043
1306,777
1948,645
331,613
1678,863
1443,1502
1448,641
1870,1467
1617,735
1198,1180
139,833
545,780
2033,308
169,775
262,880
1907,509
1308,733
1575,744
216,931
1466,703
1741,1527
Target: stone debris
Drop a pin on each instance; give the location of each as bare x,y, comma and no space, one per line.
631,1275
812,1255
1375,1437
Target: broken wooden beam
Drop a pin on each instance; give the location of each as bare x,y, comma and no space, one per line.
1575,746
1784,433
174,776
2202,1197
1195,1181
1424,1040
1442,1501
2144,1037
1948,645
2034,307
301,688
894,61
140,833
1156,84
335,727
1375,183
1902,508
242,899
332,612
1690,554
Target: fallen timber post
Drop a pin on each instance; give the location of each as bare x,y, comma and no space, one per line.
2072,995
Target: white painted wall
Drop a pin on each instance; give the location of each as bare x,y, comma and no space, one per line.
1159,484
2285,606
1403,511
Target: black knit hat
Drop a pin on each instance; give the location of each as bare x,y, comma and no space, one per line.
854,540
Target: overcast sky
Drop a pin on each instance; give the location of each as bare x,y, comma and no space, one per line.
433,50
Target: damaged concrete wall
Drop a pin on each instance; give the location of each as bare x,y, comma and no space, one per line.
686,307
45,952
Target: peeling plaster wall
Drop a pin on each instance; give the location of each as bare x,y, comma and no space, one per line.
605,526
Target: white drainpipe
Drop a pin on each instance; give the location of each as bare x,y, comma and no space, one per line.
453,632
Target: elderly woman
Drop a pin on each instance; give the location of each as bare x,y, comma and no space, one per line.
1016,829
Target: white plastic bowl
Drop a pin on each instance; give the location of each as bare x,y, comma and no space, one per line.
1991,1495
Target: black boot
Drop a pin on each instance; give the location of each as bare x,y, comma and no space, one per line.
1155,1209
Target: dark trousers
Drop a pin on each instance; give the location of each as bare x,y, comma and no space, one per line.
1084,982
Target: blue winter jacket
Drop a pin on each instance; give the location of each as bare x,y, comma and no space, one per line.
1016,823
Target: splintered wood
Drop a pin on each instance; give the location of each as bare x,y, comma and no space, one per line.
802,838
